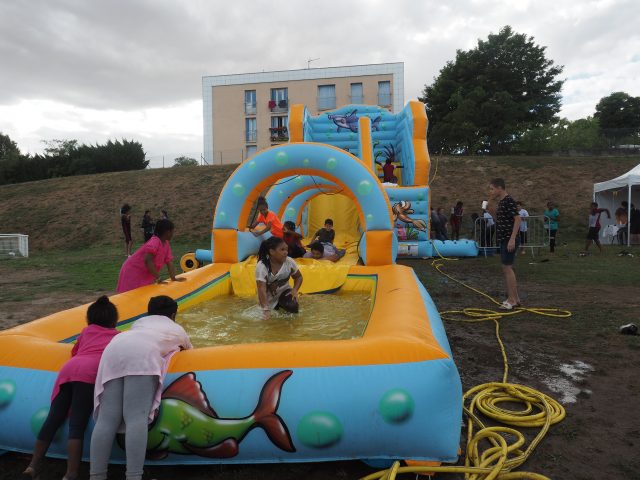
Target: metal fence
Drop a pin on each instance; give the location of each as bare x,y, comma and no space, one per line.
536,235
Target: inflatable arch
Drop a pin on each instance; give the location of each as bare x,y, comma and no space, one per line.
230,243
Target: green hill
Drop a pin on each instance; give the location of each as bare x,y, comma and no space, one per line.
76,212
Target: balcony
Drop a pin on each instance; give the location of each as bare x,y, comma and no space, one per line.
250,109
326,103
279,134
385,99
279,106
251,136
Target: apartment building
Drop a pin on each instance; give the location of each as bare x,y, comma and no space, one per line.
245,113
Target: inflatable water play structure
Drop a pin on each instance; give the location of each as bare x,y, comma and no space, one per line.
391,393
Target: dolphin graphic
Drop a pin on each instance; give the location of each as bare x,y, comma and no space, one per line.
187,424
348,122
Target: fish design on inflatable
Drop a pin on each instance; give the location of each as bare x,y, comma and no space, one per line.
350,122
187,423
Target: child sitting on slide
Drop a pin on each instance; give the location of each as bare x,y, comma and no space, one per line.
293,240
326,234
273,270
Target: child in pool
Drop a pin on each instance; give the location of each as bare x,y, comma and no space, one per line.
293,240
73,391
273,271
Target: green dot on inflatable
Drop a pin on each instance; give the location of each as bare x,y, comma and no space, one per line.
7,392
252,165
306,162
281,193
38,419
222,216
238,189
365,187
396,406
282,158
328,135
352,136
319,430
290,211
298,180
331,163
421,196
369,217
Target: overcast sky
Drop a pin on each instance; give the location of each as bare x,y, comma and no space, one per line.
94,70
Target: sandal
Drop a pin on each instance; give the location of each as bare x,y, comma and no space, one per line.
507,306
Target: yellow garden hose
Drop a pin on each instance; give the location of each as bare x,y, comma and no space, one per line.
496,401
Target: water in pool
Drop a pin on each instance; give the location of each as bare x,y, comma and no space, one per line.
230,320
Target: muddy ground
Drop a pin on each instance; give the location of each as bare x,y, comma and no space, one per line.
581,361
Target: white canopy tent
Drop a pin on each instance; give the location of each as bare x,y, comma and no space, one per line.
612,193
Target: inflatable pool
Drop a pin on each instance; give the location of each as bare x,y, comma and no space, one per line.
392,393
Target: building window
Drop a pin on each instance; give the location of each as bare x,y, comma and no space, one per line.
250,102
279,100
250,150
384,94
278,130
326,97
357,96
250,127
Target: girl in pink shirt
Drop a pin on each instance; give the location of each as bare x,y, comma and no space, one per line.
143,267
73,391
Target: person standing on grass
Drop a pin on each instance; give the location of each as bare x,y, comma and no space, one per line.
551,224
508,226
143,267
147,225
125,221
72,395
594,226
523,226
455,220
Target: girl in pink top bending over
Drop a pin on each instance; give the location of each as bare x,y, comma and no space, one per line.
129,385
143,267
73,391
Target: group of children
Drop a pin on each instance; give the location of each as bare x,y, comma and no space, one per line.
275,258
116,375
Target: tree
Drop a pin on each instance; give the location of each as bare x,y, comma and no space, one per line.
185,162
486,99
8,148
619,116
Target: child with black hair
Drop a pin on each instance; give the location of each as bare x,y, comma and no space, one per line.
323,251
143,267
326,234
72,395
129,384
267,218
293,240
273,270
125,221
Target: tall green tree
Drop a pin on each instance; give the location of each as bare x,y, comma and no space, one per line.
488,97
619,116
8,148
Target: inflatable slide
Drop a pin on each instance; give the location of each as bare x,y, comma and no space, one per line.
386,390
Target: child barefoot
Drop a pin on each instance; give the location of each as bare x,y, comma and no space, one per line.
73,391
273,271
